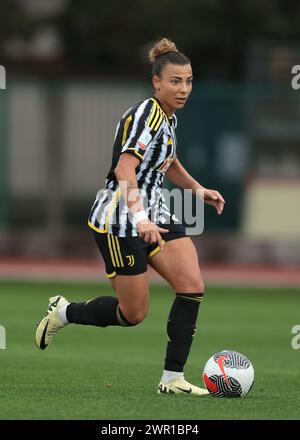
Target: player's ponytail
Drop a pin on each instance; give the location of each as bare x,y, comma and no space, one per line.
165,52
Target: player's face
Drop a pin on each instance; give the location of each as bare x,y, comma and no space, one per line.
174,86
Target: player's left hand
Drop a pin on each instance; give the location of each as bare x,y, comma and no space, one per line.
214,198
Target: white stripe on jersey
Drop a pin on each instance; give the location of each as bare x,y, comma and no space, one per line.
136,119
95,214
117,129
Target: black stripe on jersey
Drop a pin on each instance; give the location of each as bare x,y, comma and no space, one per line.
93,208
153,115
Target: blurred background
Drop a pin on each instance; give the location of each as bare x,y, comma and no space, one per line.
73,67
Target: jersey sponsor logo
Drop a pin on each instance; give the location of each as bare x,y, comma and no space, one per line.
165,165
144,140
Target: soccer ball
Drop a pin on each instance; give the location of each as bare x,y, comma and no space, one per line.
228,374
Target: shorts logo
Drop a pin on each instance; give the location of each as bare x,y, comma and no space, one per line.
130,260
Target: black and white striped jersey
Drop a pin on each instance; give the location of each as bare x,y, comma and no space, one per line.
149,134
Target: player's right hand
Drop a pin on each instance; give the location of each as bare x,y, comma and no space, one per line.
150,232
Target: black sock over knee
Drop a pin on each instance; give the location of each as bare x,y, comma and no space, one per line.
102,312
181,329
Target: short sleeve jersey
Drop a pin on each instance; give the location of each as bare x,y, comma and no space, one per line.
146,132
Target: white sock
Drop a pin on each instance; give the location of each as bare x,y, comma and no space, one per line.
62,313
168,376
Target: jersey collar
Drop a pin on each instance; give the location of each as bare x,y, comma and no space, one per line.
171,119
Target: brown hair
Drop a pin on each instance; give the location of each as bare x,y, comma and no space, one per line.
165,52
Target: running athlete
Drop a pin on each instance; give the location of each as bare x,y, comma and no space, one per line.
133,226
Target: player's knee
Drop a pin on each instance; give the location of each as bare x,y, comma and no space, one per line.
136,316
200,286
190,286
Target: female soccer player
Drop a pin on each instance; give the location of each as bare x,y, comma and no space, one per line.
133,226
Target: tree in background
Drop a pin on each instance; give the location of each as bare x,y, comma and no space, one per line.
111,38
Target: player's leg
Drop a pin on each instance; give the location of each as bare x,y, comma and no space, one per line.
127,309
178,264
129,281
133,296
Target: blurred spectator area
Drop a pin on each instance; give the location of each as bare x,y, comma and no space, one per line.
240,138
59,148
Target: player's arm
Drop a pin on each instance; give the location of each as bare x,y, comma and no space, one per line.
126,176
178,175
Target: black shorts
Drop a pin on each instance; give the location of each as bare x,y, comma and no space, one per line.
129,255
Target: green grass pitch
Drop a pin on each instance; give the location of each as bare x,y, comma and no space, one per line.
112,373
